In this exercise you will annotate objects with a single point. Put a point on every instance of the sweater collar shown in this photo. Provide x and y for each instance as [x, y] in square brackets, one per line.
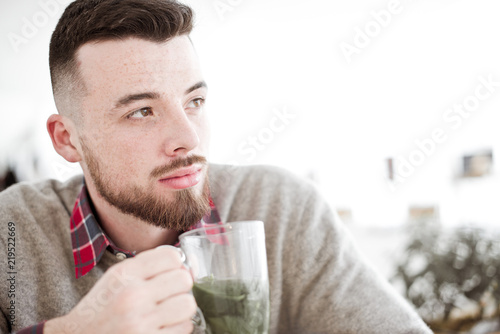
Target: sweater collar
[89, 241]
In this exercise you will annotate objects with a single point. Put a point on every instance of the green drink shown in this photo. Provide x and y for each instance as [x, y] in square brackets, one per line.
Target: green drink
[234, 306]
[229, 267]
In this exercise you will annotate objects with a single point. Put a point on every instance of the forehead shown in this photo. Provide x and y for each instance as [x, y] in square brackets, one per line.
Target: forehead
[119, 66]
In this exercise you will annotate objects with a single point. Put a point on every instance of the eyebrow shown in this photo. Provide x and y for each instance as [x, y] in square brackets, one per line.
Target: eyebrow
[136, 97]
[153, 95]
[201, 84]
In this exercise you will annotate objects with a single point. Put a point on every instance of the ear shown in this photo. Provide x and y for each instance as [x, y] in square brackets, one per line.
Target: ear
[61, 130]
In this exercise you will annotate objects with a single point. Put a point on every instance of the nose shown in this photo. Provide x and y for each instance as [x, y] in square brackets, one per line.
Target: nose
[181, 134]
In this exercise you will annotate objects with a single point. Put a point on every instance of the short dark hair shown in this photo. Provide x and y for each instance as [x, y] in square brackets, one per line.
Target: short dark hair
[99, 20]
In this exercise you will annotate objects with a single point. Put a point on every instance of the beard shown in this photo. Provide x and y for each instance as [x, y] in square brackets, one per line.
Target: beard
[183, 211]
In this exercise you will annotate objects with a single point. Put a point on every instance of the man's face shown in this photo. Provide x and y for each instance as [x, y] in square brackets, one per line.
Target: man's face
[144, 135]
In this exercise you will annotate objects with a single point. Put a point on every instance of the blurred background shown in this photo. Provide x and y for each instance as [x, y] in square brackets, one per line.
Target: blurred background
[390, 107]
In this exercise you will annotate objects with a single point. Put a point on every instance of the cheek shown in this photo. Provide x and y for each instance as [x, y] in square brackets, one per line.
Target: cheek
[204, 133]
[130, 152]
[120, 153]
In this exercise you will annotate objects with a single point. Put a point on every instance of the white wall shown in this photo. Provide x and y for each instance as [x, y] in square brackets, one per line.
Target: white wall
[263, 57]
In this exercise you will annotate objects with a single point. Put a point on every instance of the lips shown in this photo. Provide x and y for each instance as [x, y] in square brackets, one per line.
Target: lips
[183, 178]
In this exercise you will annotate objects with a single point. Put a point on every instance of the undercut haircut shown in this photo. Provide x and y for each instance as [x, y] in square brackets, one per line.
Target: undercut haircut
[86, 21]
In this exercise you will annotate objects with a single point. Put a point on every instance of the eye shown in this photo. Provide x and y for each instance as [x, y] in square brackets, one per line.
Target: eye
[141, 113]
[196, 103]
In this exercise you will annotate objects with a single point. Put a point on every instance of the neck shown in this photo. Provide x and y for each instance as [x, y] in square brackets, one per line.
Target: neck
[127, 232]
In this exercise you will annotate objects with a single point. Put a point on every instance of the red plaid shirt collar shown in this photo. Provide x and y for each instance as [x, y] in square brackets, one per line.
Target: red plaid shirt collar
[90, 242]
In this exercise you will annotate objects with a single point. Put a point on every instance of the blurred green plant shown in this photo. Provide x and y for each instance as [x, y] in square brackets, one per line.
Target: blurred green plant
[452, 278]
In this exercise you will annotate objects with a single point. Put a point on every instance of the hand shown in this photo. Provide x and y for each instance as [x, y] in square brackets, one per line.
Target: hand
[145, 294]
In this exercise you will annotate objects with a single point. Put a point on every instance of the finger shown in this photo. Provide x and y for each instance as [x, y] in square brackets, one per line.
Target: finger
[153, 262]
[185, 327]
[169, 284]
[177, 249]
[173, 311]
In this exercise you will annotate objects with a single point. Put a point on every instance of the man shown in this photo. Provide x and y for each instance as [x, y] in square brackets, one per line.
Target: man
[83, 256]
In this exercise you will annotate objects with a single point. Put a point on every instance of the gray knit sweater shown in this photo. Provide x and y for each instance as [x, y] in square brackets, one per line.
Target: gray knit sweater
[319, 282]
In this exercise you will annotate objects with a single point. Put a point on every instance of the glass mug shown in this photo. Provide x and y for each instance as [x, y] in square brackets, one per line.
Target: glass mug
[231, 283]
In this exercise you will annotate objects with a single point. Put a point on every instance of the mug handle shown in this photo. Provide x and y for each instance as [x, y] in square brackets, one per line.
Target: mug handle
[198, 320]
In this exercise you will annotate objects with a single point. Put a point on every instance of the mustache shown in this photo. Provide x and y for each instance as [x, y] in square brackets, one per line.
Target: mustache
[176, 164]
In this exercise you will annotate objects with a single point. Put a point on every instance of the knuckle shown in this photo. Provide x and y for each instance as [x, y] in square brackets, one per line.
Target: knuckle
[178, 309]
[132, 324]
[172, 254]
[174, 258]
[184, 280]
[188, 302]
[186, 327]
